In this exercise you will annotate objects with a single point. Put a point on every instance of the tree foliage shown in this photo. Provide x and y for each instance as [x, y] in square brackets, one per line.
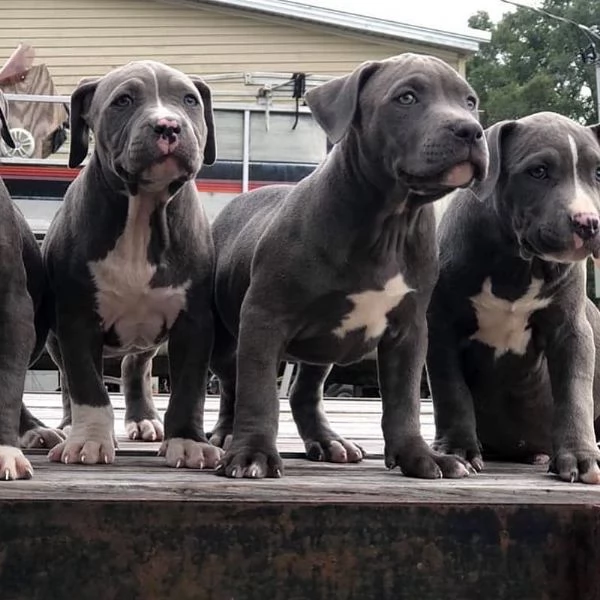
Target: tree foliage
[533, 63]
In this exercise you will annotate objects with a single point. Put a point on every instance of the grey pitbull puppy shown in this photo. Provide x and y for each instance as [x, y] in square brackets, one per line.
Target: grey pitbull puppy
[343, 263]
[23, 332]
[130, 260]
[512, 335]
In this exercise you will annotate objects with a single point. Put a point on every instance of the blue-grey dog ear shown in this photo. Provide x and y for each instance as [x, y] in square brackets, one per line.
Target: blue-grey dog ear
[333, 104]
[210, 147]
[81, 99]
[4, 130]
[495, 136]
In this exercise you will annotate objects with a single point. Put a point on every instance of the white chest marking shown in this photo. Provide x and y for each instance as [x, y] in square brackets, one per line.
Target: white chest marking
[502, 324]
[124, 298]
[371, 307]
[582, 201]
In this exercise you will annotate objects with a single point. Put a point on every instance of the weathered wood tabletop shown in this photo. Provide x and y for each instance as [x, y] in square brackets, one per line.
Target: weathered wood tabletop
[138, 474]
[356, 419]
[137, 478]
[139, 530]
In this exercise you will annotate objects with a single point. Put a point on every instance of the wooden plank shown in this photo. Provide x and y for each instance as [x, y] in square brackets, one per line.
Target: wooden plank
[139, 530]
[142, 478]
[224, 550]
[358, 420]
[187, 40]
[332, 405]
[183, 53]
[97, 37]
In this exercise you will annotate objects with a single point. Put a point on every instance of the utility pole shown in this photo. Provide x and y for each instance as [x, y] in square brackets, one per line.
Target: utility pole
[589, 56]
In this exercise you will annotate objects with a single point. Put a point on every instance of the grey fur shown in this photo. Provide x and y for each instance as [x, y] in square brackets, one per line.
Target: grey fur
[24, 328]
[127, 172]
[289, 259]
[538, 396]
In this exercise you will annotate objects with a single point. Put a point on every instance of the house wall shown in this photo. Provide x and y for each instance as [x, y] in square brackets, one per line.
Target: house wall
[89, 37]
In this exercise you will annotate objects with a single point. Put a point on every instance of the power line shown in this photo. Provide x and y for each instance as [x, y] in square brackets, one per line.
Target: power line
[591, 35]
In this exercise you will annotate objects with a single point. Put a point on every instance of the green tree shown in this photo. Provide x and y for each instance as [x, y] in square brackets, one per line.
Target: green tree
[533, 63]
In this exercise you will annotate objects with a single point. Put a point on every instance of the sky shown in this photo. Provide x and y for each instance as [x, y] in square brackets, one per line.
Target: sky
[449, 15]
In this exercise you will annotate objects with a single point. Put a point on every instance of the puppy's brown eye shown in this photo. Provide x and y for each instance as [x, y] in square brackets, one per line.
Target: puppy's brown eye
[598, 174]
[123, 100]
[407, 98]
[190, 100]
[539, 172]
[471, 103]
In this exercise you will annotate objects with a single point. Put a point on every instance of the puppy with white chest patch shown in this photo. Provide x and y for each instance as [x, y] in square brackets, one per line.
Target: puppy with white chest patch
[23, 330]
[342, 264]
[130, 261]
[513, 338]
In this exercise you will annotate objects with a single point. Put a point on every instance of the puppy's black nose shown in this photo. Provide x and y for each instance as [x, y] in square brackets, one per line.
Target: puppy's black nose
[468, 131]
[585, 225]
[167, 129]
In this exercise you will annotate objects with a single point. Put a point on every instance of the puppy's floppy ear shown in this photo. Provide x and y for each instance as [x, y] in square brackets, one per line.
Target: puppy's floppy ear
[495, 137]
[81, 99]
[595, 129]
[210, 147]
[333, 104]
[4, 130]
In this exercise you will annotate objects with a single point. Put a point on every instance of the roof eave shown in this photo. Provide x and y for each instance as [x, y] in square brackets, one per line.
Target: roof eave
[464, 42]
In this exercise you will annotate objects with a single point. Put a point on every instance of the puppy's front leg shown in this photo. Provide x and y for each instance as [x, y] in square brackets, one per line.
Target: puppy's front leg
[571, 361]
[17, 338]
[455, 423]
[253, 452]
[401, 358]
[190, 345]
[91, 437]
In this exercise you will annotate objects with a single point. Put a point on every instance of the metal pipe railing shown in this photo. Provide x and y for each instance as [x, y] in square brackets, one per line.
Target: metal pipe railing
[228, 106]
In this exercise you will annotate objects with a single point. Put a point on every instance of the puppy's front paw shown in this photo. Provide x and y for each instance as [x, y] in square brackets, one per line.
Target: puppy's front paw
[461, 444]
[221, 435]
[84, 451]
[13, 464]
[337, 450]
[181, 452]
[91, 439]
[147, 430]
[538, 459]
[253, 460]
[416, 459]
[42, 437]
[577, 465]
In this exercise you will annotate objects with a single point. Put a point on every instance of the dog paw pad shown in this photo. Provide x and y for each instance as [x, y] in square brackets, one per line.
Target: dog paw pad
[13, 464]
[147, 430]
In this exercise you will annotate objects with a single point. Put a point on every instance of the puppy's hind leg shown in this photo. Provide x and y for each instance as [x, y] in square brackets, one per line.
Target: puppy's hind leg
[306, 401]
[54, 352]
[141, 419]
[593, 315]
[33, 433]
[223, 365]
